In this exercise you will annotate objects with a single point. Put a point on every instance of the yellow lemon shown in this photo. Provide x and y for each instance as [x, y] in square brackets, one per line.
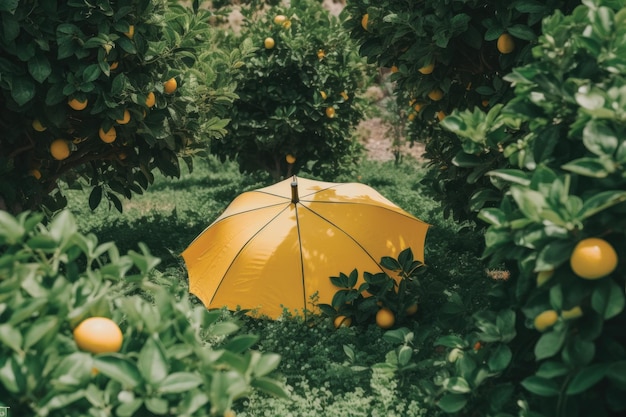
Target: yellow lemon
[98, 335]
[280, 19]
[428, 69]
[38, 126]
[545, 320]
[269, 43]
[505, 44]
[593, 258]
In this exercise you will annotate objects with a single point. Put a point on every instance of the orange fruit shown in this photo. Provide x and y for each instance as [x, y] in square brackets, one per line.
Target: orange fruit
[131, 32]
[411, 310]
[269, 43]
[323, 94]
[109, 136]
[545, 320]
[435, 95]
[77, 104]
[593, 258]
[330, 112]
[38, 126]
[113, 65]
[344, 95]
[505, 44]
[394, 69]
[385, 318]
[428, 69]
[485, 103]
[60, 149]
[441, 115]
[150, 99]
[35, 173]
[280, 19]
[365, 21]
[125, 118]
[411, 117]
[287, 24]
[417, 107]
[98, 335]
[170, 85]
[342, 321]
[321, 54]
[290, 159]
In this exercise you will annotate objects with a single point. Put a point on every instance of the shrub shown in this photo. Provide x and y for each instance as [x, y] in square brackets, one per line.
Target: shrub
[556, 343]
[299, 94]
[103, 95]
[444, 56]
[176, 358]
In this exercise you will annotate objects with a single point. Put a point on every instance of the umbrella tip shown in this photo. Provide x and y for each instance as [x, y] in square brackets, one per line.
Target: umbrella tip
[294, 190]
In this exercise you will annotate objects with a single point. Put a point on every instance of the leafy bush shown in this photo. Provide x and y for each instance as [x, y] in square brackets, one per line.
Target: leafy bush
[176, 358]
[554, 340]
[447, 55]
[72, 73]
[298, 93]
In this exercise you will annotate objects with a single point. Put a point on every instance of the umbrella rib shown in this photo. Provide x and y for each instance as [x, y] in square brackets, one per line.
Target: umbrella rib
[304, 295]
[232, 262]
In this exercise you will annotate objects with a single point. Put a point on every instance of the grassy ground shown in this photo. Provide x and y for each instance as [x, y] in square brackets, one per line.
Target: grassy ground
[316, 364]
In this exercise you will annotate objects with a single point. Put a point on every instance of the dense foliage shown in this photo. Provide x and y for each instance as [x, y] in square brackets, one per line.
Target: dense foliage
[447, 55]
[101, 94]
[299, 93]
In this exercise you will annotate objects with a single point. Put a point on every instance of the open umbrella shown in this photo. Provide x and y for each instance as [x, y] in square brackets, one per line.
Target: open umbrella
[276, 247]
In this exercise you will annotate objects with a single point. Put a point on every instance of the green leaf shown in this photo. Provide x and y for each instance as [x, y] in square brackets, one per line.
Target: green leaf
[157, 405]
[178, 382]
[404, 355]
[241, 343]
[118, 368]
[451, 403]
[152, 362]
[500, 358]
[608, 299]
[521, 32]
[9, 6]
[512, 176]
[601, 201]
[91, 73]
[541, 386]
[11, 337]
[586, 378]
[266, 364]
[129, 408]
[554, 254]
[617, 372]
[530, 202]
[270, 386]
[599, 138]
[588, 167]
[578, 352]
[451, 341]
[40, 329]
[549, 344]
[552, 369]
[11, 231]
[22, 90]
[39, 67]
[456, 385]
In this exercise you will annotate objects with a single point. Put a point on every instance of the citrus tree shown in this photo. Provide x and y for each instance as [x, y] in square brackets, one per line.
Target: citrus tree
[87, 331]
[447, 55]
[553, 345]
[101, 94]
[298, 93]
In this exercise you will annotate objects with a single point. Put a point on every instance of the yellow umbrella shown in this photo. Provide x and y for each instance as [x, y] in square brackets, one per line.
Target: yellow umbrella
[276, 247]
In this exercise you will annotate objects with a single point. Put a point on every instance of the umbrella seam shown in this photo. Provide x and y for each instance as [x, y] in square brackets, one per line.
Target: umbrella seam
[304, 294]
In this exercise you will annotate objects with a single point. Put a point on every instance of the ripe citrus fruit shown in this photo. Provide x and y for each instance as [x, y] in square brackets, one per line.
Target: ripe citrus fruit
[290, 159]
[170, 85]
[98, 335]
[365, 21]
[321, 54]
[344, 95]
[572, 313]
[411, 310]
[131, 32]
[269, 43]
[150, 99]
[323, 94]
[441, 115]
[411, 117]
[593, 258]
[109, 136]
[35, 173]
[280, 19]
[125, 118]
[330, 112]
[545, 320]
[77, 104]
[342, 321]
[485, 103]
[60, 149]
[38, 126]
[394, 69]
[385, 318]
[417, 107]
[113, 65]
[435, 95]
[505, 44]
[428, 69]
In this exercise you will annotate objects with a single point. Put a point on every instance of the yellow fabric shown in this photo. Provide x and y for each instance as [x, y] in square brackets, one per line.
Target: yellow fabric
[265, 253]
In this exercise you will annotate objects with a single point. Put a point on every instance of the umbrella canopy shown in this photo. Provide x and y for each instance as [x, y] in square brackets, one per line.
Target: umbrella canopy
[275, 247]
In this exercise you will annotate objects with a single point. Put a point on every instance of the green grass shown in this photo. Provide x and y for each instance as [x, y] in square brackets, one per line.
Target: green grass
[315, 366]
